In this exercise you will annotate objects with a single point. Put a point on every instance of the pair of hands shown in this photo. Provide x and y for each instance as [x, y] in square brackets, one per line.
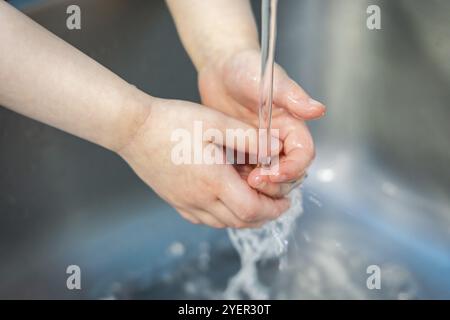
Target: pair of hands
[226, 195]
[62, 87]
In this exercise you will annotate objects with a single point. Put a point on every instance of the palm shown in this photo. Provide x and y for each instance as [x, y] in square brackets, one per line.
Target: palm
[232, 87]
[224, 87]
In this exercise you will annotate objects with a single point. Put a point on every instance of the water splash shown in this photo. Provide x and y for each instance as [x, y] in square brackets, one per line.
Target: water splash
[255, 245]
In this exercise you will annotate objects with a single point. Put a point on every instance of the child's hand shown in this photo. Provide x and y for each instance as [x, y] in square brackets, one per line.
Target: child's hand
[213, 194]
[231, 85]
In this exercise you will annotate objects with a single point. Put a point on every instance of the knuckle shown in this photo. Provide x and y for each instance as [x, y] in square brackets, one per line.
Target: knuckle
[220, 190]
[249, 213]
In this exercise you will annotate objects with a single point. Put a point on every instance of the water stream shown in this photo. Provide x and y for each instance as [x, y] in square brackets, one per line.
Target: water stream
[271, 240]
[256, 245]
[268, 40]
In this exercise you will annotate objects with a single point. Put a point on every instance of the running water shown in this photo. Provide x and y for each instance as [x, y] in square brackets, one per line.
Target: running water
[271, 240]
[268, 40]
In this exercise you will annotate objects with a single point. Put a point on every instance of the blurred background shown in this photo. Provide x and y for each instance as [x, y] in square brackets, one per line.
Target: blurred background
[377, 194]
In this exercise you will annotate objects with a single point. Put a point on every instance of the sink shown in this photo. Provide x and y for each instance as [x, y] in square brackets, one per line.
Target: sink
[377, 193]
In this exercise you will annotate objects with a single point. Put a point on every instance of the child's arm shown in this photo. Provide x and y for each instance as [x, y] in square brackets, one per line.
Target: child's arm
[211, 30]
[47, 79]
[44, 78]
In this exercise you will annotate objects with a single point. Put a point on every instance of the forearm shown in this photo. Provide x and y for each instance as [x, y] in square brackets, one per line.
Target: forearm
[214, 29]
[47, 79]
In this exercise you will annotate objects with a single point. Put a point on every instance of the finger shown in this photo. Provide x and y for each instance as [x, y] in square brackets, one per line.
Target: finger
[298, 153]
[263, 184]
[225, 215]
[290, 96]
[247, 203]
[257, 180]
[244, 170]
[233, 134]
[188, 216]
[208, 219]
[243, 84]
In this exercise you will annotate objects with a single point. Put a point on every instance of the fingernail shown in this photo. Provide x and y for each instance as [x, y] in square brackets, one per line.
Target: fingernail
[315, 102]
[261, 185]
[306, 103]
[259, 182]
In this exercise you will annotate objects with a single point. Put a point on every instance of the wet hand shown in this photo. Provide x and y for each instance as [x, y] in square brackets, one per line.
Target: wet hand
[231, 85]
[212, 194]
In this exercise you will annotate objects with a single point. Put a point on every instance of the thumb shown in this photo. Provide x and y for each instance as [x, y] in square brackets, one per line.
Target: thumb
[242, 80]
[290, 96]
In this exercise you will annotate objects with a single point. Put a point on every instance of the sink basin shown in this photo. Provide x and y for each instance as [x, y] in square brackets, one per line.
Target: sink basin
[377, 193]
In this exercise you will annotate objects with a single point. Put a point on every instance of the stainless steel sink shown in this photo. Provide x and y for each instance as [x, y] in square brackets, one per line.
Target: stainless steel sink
[377, 194]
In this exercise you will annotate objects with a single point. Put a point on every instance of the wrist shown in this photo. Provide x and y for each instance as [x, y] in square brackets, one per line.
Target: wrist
[135, 109]
[219, 54]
